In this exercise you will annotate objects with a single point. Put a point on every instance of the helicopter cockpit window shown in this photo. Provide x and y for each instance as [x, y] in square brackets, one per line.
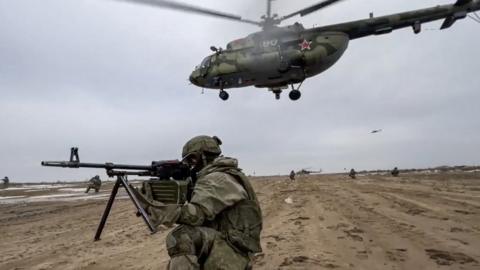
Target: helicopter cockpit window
[206, 62]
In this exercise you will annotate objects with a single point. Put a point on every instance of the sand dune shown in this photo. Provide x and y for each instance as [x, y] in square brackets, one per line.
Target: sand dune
[427, 221]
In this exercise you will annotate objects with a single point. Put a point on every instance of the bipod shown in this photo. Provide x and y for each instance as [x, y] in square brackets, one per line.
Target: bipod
[122, 181]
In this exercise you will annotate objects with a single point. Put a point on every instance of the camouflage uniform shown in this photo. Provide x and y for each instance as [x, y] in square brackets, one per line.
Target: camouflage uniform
[6, 181]
[395, 172]
[352, 174]
[292, 175]
[220, 226]
[94, 183]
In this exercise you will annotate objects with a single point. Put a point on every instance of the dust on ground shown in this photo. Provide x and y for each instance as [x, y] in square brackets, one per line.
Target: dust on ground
[415, 221]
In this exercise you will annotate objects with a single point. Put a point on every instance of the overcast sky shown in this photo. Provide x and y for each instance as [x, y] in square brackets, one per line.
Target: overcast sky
[112, 78]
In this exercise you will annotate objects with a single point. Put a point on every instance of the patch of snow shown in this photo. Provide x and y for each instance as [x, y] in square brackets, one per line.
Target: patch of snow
[52, 186]
[17, 188]
[54, 196]
[57, 198]
[71, 189]
[289, 200]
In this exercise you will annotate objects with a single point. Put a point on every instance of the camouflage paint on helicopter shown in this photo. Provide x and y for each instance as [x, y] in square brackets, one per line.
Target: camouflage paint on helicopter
[271, 59]
[277, 57]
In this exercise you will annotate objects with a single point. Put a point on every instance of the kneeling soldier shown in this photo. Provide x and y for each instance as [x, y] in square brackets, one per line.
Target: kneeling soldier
[94, 183]
[395, 172]
[352, 174]
[220, 226]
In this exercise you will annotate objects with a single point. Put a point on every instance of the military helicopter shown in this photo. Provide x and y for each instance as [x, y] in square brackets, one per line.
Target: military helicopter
[278, 57]
[308, 171]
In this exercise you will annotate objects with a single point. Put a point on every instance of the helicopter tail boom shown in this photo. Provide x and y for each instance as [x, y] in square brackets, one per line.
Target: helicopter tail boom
[386, 24]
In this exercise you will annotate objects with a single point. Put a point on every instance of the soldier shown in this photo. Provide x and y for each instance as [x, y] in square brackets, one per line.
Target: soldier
[292, 175]
[220, 226]
[352, 173]
[94, 183]
[395, 172]
[6, 181]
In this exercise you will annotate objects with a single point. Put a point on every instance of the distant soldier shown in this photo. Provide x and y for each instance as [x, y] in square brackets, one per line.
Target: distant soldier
[292, 175]
[94, 183]
[352, 173]
[6, 180]
[395, 172]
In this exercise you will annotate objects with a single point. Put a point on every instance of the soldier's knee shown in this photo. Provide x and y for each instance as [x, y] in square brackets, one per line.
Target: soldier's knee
[223, 256]
[182, 241]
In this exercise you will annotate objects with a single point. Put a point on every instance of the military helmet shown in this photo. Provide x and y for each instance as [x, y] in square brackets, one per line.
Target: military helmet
[202, 144]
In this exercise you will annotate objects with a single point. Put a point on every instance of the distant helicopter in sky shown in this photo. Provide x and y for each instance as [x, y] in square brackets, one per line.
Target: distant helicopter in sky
[278, 57]
[376, 131]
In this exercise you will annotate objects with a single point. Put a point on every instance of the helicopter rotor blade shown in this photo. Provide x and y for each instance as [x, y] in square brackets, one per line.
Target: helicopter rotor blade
[311, 9]
[192, 9]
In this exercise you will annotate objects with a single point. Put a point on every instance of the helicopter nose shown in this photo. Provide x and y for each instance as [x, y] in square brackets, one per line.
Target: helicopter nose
[195, 78]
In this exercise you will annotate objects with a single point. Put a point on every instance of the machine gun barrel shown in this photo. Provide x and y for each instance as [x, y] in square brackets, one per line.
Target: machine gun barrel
[74, 162]
[107, 165]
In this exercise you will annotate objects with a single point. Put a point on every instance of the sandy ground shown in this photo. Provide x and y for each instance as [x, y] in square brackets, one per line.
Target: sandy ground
[416, 221]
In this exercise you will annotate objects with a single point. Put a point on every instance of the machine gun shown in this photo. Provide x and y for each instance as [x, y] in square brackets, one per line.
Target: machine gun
[170, 185]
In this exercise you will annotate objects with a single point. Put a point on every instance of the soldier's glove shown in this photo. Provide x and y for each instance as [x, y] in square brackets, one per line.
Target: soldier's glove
[159, 213]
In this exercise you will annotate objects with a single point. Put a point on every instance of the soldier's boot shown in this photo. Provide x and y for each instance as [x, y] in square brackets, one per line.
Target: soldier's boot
[183, 262]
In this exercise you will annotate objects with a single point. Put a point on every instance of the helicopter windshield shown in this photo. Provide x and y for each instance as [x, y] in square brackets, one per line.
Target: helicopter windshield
[205, 63]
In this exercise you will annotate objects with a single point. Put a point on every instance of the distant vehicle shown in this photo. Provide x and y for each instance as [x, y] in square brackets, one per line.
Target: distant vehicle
[279, 57]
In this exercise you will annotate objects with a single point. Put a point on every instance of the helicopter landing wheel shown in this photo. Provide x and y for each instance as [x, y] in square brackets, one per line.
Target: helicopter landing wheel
[223, 95]
[294, 95]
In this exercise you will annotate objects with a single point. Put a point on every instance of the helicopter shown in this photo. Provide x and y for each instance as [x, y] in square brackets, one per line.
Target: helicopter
[308, 171]
[281, 56]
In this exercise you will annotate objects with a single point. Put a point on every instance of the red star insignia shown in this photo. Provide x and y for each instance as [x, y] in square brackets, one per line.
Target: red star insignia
[305, 45]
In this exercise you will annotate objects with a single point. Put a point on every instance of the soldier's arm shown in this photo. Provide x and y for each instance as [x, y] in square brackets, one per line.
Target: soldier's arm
[212, 194]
